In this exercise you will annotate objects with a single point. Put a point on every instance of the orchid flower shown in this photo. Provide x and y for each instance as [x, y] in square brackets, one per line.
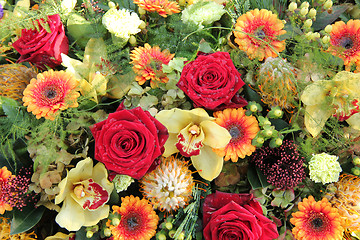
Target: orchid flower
[193, 133]
[84, 193]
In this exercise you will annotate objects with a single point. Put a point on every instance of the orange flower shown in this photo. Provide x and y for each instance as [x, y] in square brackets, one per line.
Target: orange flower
[344, 42]
[256, 33]
[138, 220]
[50, 92]
[148, 62]
[5, 225]
[316, 220]
[242, 129]
[163, 7]
[5, 174]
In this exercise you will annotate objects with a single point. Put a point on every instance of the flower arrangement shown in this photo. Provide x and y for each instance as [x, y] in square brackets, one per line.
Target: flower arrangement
[179, 119]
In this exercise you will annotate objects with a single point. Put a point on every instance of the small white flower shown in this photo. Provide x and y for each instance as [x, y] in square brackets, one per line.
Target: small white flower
[324, 168]
[203, 13]
[122, 23]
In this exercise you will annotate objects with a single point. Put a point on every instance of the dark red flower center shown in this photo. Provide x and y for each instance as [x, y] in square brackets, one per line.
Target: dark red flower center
[132, 222]
[235, 132]
[346, 42]
[318, 222]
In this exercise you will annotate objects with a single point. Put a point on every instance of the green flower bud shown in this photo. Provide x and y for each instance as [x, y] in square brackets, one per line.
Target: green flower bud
[304, 11]
[325, 39]
[132, 40]
[315, 35]
[253, 108]
[312, 13]
[260, 140]
[305, 5]
[89, 234]
[308, 35]
[308, 23]
[328, 28]
[168, 225]
[160, 236]
[355, 171]
[292, 6]
[107, 232]
[328, 4]
[111, 5]
[278, 141]
[356, 160]
[115, 221]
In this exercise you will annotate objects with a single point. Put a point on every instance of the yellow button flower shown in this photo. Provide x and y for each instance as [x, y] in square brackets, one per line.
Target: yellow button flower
[193, 133]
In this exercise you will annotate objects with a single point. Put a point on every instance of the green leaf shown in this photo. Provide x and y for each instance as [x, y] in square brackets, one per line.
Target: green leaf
[9, 106]
[252, 95]
[323, 19]
[26, 219]
[279, 124]
[256, 178]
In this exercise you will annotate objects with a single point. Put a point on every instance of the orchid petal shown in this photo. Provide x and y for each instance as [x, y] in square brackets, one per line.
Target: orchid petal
[71, 215]
[169, 145]
[208, 163]
[315, 93]
[174, 120]
[315, 118]
[354, 121]
[215, 135]
[190, 140]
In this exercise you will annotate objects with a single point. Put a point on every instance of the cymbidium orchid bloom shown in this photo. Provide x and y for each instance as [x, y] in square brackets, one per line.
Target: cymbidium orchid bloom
[84, 193]
[339, 97]
[193, 133]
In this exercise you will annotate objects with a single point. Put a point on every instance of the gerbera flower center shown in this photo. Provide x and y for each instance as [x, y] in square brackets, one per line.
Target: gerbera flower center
[132, 223]
[235, 133]
[346, 42]
[260, 33]
[318, 222]
[50, 93]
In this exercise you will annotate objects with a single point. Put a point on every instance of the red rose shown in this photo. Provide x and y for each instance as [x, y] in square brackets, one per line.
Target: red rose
[236, 216]
[129, 141]
[43, 48]
[212, 82]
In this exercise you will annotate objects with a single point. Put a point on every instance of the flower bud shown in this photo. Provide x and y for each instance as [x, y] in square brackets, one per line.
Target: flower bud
[328, 4]
[356, 161]
[253, 108]
[305, 5]
[107, 232]
[89, 234]
[308, 23]
[355, 171]
[325, 39]
[278, 141]
[292, 6]
[132, 40]
[308, 35]
[142, 25]
[141, 11]
[328, 28]
[260, 140]
[111, 5]
[160, 236]
[115, 221]
[315, 35]
[312, 13]
[304, 11]
[168, 225]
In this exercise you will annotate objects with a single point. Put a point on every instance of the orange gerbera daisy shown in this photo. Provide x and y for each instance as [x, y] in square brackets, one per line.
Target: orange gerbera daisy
[50, 92]
[256, 33]
[345, 42]
[242, 129]
[5, 174]
[316, 220]
[138, 220]
[148, 62]
[163, 7]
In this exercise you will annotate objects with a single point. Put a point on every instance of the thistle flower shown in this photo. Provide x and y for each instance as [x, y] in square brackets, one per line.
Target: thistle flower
[50, 92]
[148, 62]
[256, 33]
[138, 220]
[345, 196]
[277, 83]
[316, 220]
[122, 23]
[203, 13]
[163, 7]
[324, 168]
[282, 166]
[169, 186]
[13, 80]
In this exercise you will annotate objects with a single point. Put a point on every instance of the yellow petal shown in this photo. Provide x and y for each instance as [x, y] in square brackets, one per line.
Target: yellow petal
[354, 121]
[169, 145]
[315, 93]
[315, 118]
[174, 120]
[215, 135]
[71, 215]
[98, 82]
[93, 217]
[100, 176]
[208, 163]
[199, 115]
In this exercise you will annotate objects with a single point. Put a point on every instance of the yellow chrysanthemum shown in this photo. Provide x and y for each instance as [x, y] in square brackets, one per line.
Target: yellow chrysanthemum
[316, 220]
[344, 42]
[163, 7]
[138, 220]
[242, 129]
[5, 232]
[50, 92]
[148, 62]
[256, 33]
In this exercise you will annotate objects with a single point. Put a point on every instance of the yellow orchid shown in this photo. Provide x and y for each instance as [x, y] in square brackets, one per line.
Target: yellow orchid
[84, 192]
[339, 97]
[194, 133]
